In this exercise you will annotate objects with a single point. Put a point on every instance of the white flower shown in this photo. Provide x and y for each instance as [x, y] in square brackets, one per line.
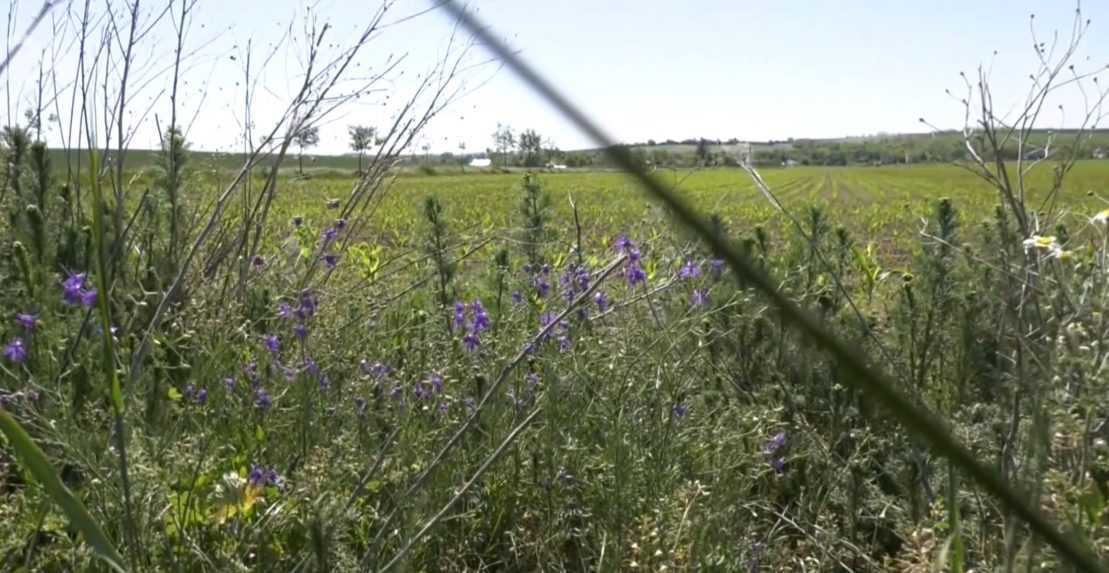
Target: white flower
[1041, 243]
[1102, 218]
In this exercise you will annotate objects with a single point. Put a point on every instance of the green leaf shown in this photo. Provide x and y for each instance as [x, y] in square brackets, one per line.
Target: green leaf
[35, 461]
[174, 394]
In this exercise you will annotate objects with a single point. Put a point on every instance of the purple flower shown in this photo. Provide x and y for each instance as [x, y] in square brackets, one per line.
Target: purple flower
[680, 410]
[258, 261]
[261, 476]
[601, 299]
[436, 381]
[250, 369]
[72, 287]
[332, 203]
[300, 331]
[700, 297]
[542, 286]
[284, 311]
[262, 399]
[329, 235]
[311, 367]
[27, 321]
[444, 408]
[331, 260]
[517, 298]
[272, 343]
[377, 369]
[460, 315]
[471, 341]
[88, 297]
[623, 244]
[360, 406]
[229, 384]
[774, 444]
[202, 396]
[716, 268]
[16, 352]
[340, 224]
[308, 305]
[564, 343]
[189, 392]
[325, 383]
[779, 465]
[634, 273]
[75, 290]
[690, 271]
[481, 317]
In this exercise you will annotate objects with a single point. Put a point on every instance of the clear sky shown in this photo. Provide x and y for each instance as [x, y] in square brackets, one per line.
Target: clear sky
[754, 70]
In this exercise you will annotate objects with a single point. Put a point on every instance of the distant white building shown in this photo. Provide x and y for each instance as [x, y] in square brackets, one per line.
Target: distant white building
[556, 166]
[481, 162]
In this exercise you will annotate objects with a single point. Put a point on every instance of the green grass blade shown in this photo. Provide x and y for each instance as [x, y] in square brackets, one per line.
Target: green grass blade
[859, 372]
[34, 460]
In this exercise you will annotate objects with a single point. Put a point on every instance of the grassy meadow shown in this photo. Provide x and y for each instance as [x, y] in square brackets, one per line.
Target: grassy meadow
[481, 371]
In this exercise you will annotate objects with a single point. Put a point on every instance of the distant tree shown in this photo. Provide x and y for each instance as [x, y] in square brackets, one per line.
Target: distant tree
[504, 141]
[306, 138]
[531, 148]
[651, 142]
[703, 151]
[361, 139]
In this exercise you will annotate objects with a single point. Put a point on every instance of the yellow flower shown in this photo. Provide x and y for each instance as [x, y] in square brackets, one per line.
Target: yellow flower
[1102, 217]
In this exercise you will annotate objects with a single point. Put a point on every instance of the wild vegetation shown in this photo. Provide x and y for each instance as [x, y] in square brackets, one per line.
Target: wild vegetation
[280, 367]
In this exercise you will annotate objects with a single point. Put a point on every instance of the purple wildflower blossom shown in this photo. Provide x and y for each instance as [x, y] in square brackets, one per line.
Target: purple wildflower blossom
[16, 352]
[481, 317]
[258, 261]
[471, 341]
[634, 273]
[262, 476]
[680, 410]
[436, 381]
[517, 298]
[262, 399]
[300, 331]
[27, 321]
[202, 396]
[329, 235]
[460, 315]
[331, 260]
[623, 244]
[340, 224]
[716, 268]
[700, 297]
[601, 300]
[565, 343]
[272, 343]
[229, 384]
[690, 271]
[76, 290]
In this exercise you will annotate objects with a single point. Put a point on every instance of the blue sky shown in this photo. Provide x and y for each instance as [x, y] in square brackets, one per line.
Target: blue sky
[646, 69]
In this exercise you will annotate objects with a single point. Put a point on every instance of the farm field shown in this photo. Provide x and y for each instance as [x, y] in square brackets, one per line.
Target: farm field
[548, 357]
[883, 204]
